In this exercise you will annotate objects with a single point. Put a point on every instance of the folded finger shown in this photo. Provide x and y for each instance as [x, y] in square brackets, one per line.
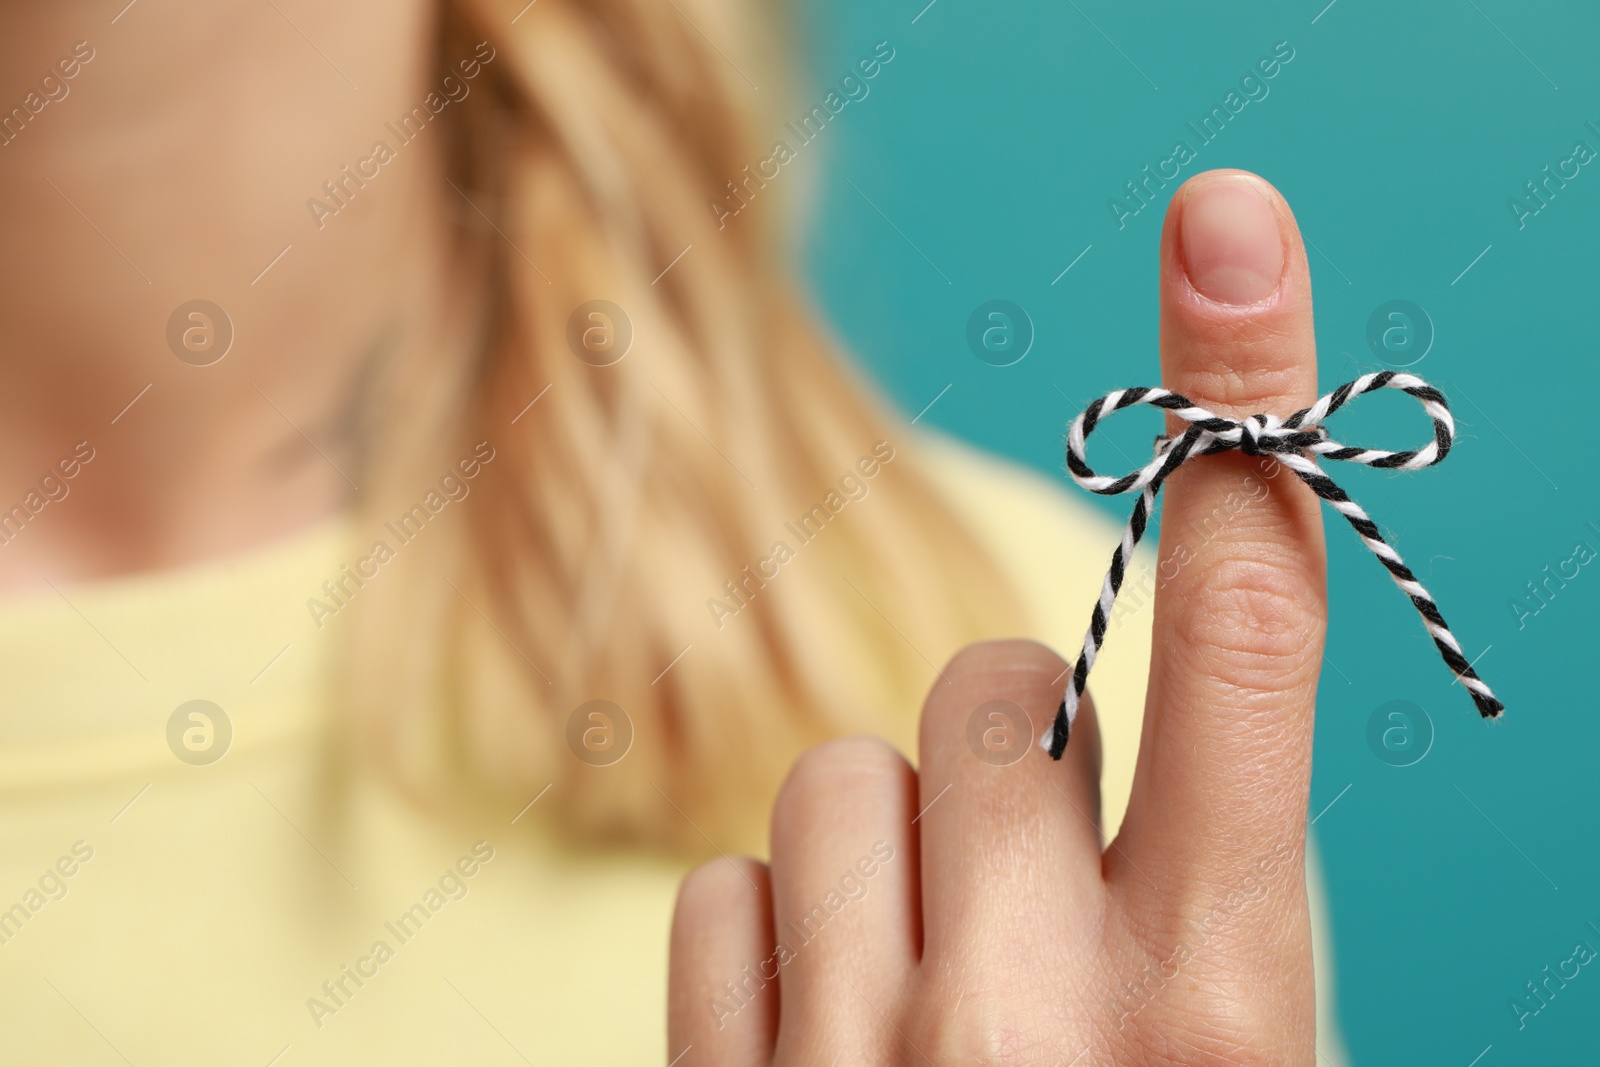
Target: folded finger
[1011, 852]
[846, 914]
[722, 1003]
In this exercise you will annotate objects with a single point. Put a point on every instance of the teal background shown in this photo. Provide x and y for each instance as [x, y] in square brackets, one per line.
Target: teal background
[989, 148]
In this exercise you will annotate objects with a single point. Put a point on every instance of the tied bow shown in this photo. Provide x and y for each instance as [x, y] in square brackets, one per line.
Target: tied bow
[1296, 442]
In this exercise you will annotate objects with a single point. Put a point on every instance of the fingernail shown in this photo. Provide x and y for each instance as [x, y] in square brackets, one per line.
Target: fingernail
[1230, 244]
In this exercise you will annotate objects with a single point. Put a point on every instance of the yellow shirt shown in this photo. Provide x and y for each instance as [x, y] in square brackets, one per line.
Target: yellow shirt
[259, 909]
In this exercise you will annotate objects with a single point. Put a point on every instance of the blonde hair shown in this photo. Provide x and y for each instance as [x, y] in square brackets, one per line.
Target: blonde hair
[617, 508]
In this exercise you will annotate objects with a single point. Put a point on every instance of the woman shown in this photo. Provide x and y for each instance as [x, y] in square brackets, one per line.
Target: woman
[438, 526]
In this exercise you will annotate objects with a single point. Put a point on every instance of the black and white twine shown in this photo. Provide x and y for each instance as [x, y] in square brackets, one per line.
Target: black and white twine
[1296, 442]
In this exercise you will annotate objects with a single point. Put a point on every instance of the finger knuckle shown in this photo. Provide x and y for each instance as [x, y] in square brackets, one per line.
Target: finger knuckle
[717, 887]
[1250, 620]
[1240, 365]
[997, 659]
[1019, 671]
[843, 775]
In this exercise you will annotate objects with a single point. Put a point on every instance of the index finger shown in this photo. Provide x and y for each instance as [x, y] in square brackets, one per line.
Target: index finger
[1225, 762]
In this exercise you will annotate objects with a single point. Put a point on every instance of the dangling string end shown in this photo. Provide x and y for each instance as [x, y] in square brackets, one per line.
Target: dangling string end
[1058, 733]
[1055, 742]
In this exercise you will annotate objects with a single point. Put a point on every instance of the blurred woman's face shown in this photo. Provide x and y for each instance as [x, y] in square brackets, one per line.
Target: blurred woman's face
[169, 152]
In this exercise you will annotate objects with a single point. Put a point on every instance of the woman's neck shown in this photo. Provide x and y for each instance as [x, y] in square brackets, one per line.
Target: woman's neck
[146, 184]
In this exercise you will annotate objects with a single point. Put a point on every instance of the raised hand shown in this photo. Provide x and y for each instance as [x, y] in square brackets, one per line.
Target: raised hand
[967, 912]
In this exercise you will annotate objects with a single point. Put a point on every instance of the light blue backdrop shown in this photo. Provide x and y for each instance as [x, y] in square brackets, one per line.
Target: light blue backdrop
[980, 166]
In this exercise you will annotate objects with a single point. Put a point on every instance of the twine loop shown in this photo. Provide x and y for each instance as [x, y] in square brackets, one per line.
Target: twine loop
[1297, 442]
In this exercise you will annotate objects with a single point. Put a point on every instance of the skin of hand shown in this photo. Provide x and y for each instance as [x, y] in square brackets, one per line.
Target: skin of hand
[993, 927]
